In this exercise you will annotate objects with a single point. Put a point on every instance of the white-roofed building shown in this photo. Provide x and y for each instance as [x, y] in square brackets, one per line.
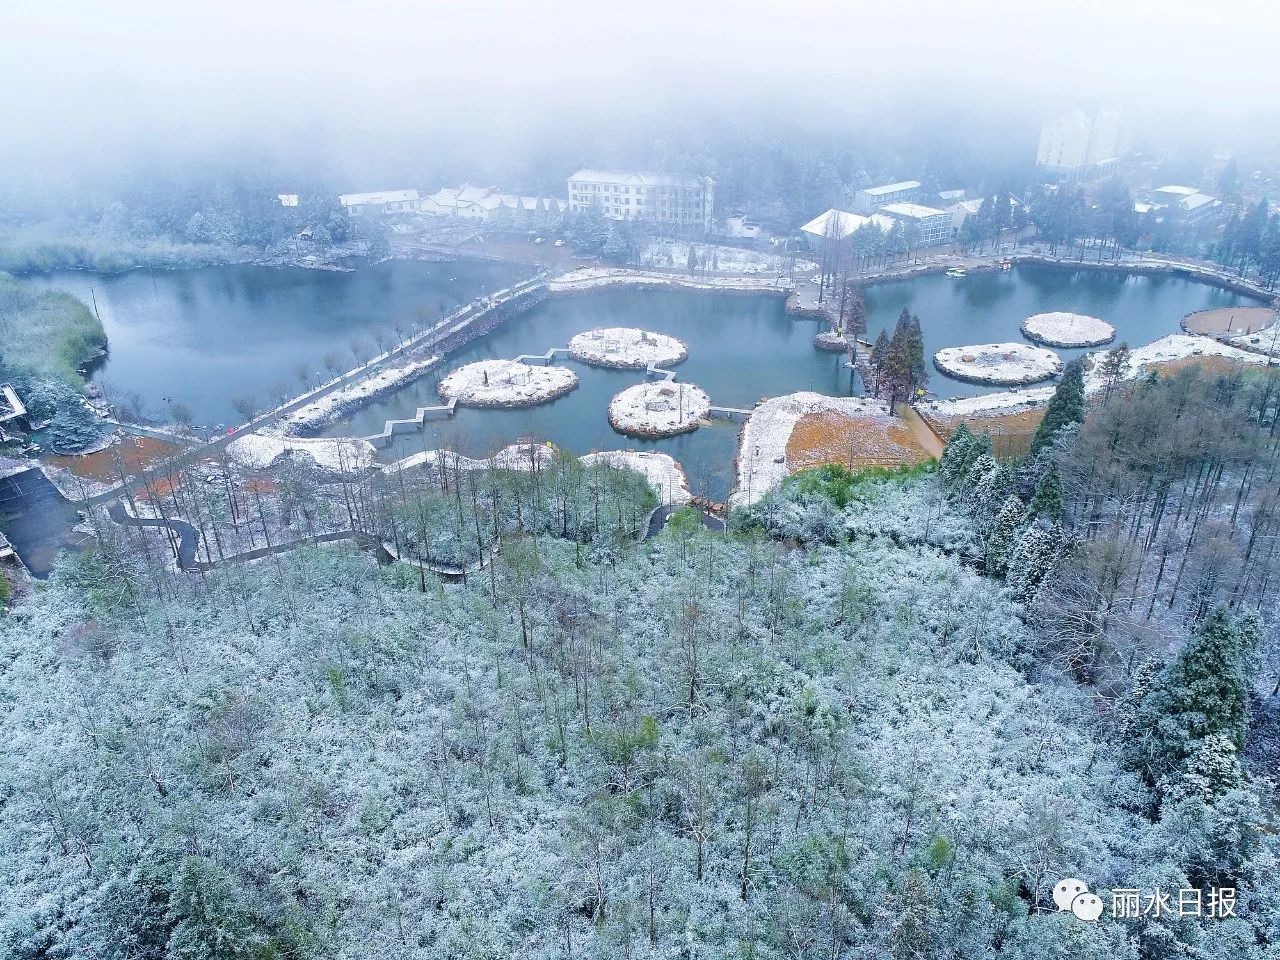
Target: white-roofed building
[287, 199]
[634, 195]
[1196, 207]
[866, 201]
[933, 226]
[380, 203]
[962, 211]
[484, 203]
[846, 223]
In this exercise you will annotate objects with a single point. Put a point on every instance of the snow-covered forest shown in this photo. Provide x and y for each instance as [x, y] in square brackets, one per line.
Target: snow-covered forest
[882, 717]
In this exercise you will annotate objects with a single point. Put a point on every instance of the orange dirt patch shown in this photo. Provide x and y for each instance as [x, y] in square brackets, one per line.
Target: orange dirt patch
[1229, 320]
[1208, 363]
[853, 442]
[133, 454]
[1010, 432]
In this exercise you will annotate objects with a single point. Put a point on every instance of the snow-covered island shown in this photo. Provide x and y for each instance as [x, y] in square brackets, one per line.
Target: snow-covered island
[626, 348]
[658, 409]
[1003, 364]
[1067, 330]
[831, 341]
[506, 383]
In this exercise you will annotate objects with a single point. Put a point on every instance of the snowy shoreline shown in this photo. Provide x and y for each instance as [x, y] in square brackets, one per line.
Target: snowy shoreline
[762, 444]
[663, 471]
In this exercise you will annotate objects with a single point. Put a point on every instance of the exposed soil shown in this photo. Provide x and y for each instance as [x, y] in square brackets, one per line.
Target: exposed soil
[853, 442]
[137, 453]
[1231, 321]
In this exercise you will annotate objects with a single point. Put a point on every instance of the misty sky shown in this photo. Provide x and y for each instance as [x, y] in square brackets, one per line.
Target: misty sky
[86, 80]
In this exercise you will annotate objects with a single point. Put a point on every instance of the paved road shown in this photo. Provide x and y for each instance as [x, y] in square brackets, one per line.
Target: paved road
[658, 520]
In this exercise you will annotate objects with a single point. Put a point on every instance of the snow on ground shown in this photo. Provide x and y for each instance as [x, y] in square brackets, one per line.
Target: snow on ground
[720, 259]
[506, 383]
[591, 278]
[1267, 340]
[1175, 346]
[660, 469]
[1179, 346]
[334, 453]
[1067, 330]
[626, 348]
[762, 450]
[659, 409]
[999, 363]
[320, 411]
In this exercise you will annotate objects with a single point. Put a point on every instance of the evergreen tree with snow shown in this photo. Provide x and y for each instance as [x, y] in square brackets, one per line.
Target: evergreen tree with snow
[1066, 407]
[961, 452]
[73, 428]
[1004, 534]
[1048, 499]
[1032, 559]
[1202, 693]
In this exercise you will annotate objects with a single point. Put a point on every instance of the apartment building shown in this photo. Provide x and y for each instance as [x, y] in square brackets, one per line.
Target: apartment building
[1078, 142]
[635, 195]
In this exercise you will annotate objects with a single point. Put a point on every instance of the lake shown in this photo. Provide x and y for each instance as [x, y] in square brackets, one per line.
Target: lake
[208, 335]
[745, 348]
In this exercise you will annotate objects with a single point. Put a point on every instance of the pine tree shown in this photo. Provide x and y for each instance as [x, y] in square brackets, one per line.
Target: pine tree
[1004, 534]
[1048, 499]
[1202, 693]
[962, 450]
[73, 428]
[1066, 407]
[1112, 368]
[1032, 559]
[879, 353]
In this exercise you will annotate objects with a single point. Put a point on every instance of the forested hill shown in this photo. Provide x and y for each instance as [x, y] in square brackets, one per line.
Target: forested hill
[840, 745]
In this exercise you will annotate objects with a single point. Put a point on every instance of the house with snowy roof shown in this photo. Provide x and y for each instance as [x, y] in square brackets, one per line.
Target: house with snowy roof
[1196, 207]
[379, 203]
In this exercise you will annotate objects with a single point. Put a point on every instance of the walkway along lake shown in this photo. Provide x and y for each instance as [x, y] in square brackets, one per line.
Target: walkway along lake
[206, 336]
[743, 348]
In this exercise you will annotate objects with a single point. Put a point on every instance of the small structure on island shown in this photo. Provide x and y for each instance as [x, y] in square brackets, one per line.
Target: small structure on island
[626, 348]
[1067, 330]
[661, 409]
[998, 364]
[833, 341]
[506, 383]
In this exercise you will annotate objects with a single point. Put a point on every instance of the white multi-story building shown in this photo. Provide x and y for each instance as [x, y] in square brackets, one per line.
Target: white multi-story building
[381, 202]
[865, 202]
[1077, 142]
[636, 195]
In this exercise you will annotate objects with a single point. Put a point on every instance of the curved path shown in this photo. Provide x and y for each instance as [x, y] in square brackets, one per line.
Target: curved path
[659, 516]
[188, 539]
